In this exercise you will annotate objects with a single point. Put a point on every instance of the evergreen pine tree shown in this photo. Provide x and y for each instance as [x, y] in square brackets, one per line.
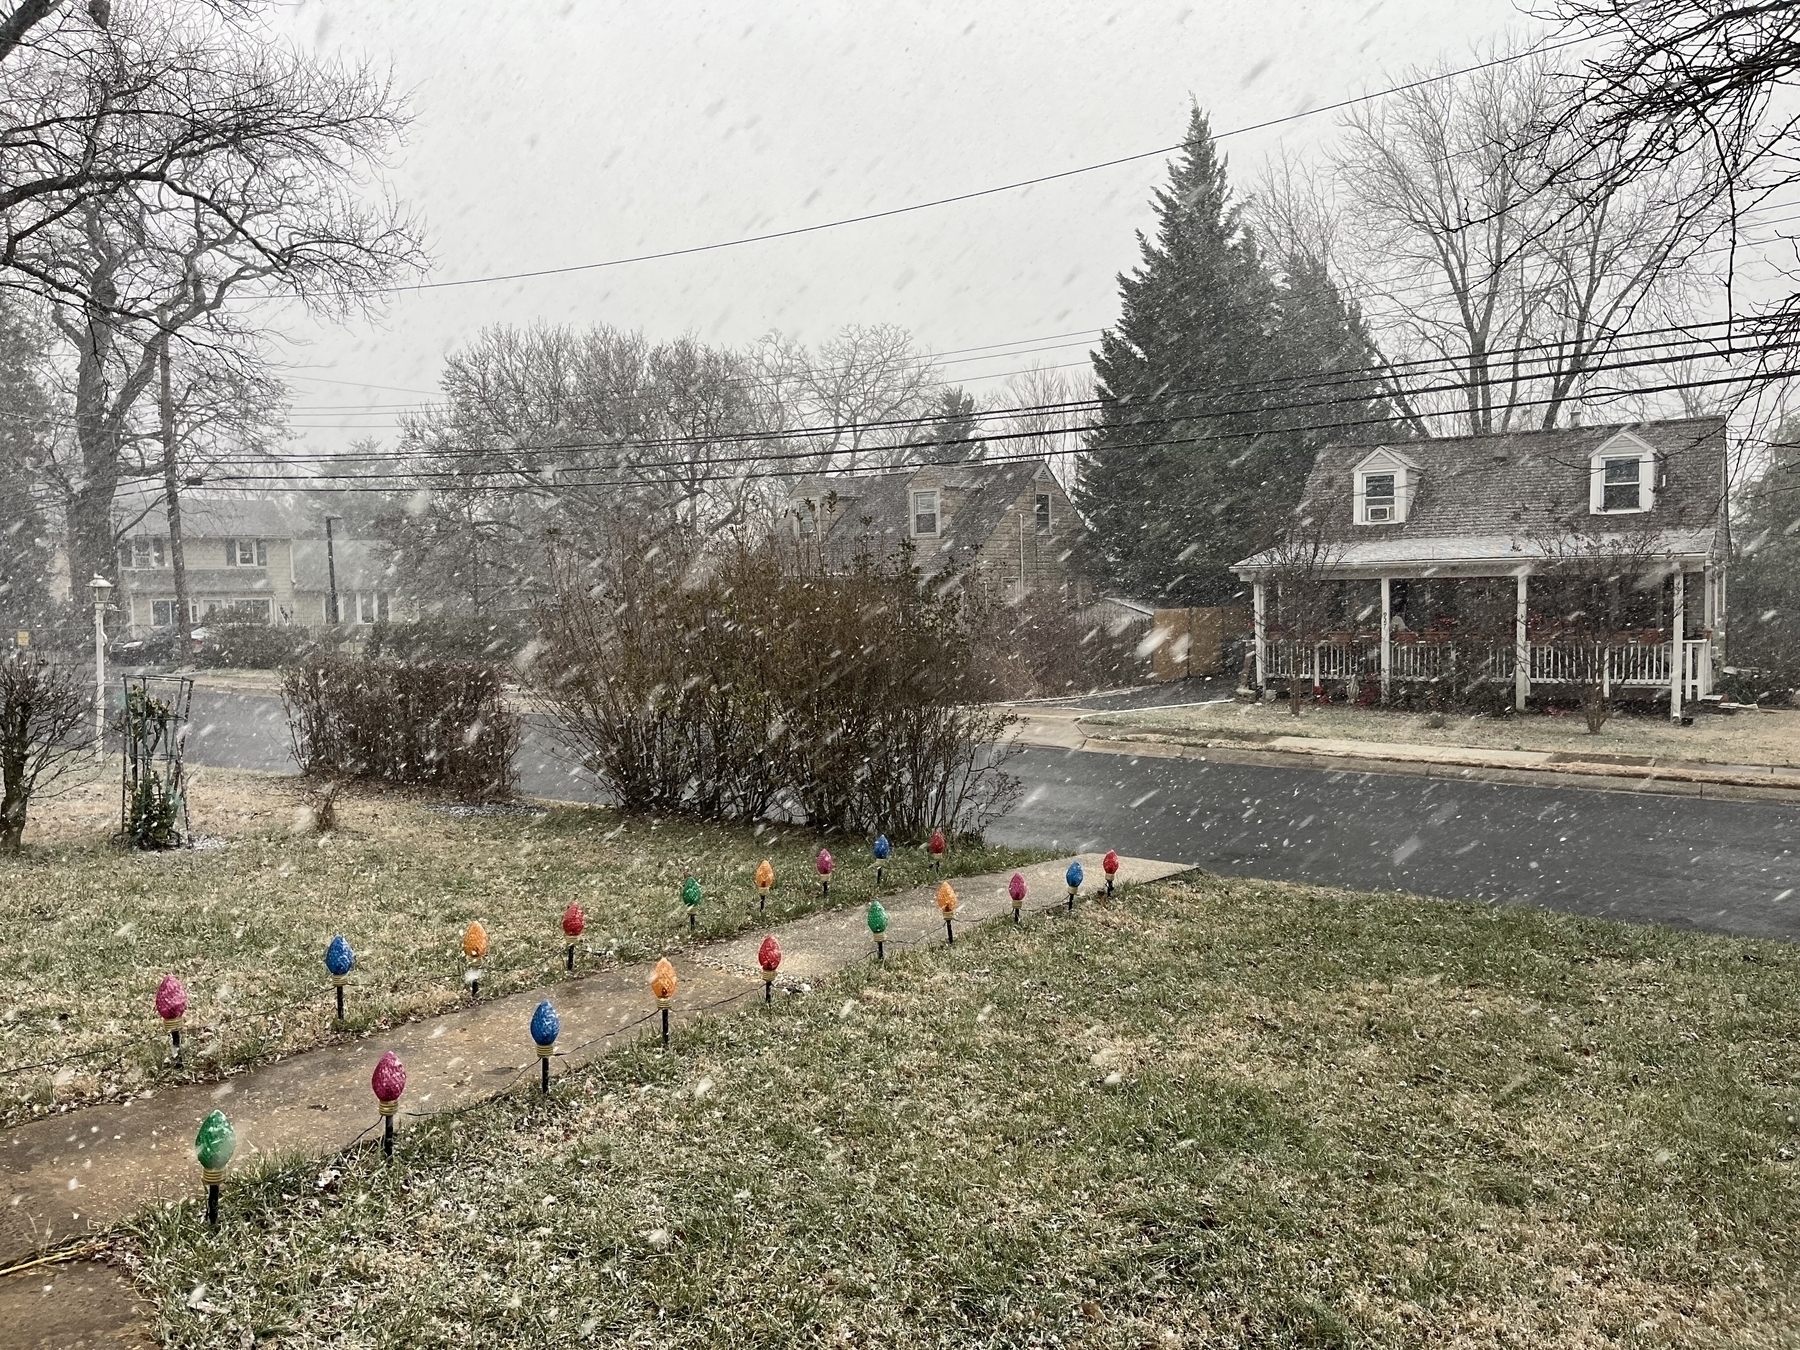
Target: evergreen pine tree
[1198, 458]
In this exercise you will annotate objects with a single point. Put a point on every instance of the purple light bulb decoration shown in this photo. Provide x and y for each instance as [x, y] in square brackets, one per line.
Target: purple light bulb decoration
[545, 1027]
[825, 865]
[339, 960]
[388, 1082]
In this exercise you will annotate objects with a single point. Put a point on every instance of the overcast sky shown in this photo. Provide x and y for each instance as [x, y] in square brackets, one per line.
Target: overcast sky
[555, 134]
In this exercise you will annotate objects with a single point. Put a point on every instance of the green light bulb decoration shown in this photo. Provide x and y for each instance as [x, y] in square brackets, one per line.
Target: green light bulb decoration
[878, 921]
[691, 897]
[213, 1147]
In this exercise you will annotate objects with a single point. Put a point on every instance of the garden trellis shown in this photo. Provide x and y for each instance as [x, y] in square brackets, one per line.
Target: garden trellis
[152, 785]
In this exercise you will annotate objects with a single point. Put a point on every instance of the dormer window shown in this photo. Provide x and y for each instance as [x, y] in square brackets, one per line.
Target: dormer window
[1622, 477]
[1384, 489]
[925, 514]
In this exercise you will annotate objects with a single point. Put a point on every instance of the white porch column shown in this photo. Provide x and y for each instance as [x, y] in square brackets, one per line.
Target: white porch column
[1677, 652]
[1521, 650]
[1259, 607]
[1387, 637]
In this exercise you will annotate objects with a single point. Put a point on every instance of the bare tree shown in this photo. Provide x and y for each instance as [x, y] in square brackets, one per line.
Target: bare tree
[860, 396]
[279, 210]
[1307, 601]
[1498, 281]
[45, 724]
[1055, 407]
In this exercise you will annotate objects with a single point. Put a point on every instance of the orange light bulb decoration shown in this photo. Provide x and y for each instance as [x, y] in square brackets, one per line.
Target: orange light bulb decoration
[475, 949]
[946, 903]
[765, 881]
[663, 985]
[768, 956]
[1110, 865]
[574, 924]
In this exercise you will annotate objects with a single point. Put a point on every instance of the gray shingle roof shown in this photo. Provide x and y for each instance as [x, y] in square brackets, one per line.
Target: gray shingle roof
[1480, 497]
[874, 516]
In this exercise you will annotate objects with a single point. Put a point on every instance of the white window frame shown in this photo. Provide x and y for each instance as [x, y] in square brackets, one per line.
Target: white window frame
[1043, 510]
[936, 513]
[1383, 464]
[246, 553]
[146, 551]
[1623, 446]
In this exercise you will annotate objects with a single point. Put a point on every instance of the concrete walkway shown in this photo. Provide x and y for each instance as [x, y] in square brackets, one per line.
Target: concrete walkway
[1061, 728]
[85, 1171]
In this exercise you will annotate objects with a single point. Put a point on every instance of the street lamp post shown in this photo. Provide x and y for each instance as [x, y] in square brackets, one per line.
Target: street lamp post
[100, 586]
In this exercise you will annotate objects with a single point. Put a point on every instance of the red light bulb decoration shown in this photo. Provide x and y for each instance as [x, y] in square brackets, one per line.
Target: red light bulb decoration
[171, 1006]
[574, 924]
[937, 847]
[388, 1082]
[1110, 865]
[768, 956]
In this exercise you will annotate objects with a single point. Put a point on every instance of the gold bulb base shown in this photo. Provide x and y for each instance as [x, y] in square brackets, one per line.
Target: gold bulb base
[174, 1023]
[212, 1176]
[768, 977]
[339, 981]
[388, 1108]
[545, 1051]
[663, 1002]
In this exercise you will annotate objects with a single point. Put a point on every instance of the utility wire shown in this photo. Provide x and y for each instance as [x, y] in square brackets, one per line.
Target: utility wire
[664, 480]
[1355, 382]
[982, 192]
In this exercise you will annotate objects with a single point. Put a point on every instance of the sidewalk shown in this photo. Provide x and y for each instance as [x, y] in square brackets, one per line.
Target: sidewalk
[86, 1170]
[1061, 728]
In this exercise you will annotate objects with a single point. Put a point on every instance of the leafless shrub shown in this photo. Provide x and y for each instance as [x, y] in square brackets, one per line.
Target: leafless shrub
[442, 724]
[721, 685]
[45, 723]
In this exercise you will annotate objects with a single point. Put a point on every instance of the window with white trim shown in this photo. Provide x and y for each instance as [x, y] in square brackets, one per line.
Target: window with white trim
[1383, 492]
[143, 551]
[925, 514]
[246, 553]
[1622, 478]
[1043, 510]
[372, 607]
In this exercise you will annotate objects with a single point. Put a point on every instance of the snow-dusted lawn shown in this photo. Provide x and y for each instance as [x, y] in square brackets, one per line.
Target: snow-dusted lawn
[1741, 738]
[1214, 1113]
[91, 930]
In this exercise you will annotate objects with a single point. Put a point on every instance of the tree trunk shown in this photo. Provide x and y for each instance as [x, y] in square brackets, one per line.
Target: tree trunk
[172, 500]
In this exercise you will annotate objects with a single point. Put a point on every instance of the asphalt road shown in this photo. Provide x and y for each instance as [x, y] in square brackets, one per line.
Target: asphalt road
[1686, 861]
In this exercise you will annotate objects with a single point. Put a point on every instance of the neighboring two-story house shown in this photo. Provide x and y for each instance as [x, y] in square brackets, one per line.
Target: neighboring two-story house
[264, 558]
[1008, 525]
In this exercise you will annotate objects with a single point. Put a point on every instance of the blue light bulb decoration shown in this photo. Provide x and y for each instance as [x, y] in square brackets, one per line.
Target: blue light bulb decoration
[339, 960]
[545, 1027]
[1073, 876]
[882, 849]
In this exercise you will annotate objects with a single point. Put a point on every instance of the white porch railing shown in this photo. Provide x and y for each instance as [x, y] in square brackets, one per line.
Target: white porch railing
[1634, 665]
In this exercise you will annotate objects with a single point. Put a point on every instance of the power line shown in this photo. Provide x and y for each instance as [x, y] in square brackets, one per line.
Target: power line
[1354, 377]
[981, 192]
[682, 474]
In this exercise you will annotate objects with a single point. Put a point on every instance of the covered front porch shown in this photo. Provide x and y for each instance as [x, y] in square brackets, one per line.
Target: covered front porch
[1436, 626]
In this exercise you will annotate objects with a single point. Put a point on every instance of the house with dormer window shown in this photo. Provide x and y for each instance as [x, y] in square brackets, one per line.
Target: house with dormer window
[1417, 538]
[1009, 525]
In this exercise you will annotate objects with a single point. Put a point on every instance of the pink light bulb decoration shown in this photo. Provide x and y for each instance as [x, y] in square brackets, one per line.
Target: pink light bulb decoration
[1016, 889]
[388, 1082]
[825, 865]
[171, 1006]
[768, 956]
